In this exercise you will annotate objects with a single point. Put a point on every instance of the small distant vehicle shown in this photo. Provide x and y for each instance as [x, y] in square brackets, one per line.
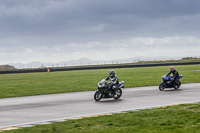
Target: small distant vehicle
[167, 83]
[104, 90]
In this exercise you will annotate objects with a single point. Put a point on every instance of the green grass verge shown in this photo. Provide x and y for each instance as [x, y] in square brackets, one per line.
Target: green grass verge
[172, 119]
[26, 84]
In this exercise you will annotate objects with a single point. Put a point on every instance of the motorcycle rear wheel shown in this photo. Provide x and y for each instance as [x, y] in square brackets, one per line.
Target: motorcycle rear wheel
[98, 95]
[118, 94]
[177, 85]
[162, 86]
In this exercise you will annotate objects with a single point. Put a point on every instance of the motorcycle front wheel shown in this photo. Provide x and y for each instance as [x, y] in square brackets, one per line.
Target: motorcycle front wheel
[98, 95]
[161, 86]
[118, 93]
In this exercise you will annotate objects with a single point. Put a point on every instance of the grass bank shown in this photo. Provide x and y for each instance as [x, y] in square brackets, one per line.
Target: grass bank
[27, 84]
[173, 119]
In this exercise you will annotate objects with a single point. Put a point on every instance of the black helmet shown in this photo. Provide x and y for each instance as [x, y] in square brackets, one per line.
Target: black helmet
[112, 73]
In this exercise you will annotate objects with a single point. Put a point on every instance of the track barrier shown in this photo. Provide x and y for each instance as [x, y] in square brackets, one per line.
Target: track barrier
[95, 67]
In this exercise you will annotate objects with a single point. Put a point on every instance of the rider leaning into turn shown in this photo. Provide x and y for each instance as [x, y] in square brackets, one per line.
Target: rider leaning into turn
[113, 79]
[175, 75]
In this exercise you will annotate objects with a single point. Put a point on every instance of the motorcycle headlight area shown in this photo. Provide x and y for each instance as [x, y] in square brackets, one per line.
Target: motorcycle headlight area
[101, 85]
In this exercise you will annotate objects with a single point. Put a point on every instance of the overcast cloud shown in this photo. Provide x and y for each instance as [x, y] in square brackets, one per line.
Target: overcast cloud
[62, 30]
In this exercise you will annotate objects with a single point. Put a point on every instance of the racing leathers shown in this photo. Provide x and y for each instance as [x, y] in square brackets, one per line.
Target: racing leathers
[175, 76]
[114, 80]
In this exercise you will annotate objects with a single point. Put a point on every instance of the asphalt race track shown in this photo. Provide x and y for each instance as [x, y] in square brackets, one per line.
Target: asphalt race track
[43, 109]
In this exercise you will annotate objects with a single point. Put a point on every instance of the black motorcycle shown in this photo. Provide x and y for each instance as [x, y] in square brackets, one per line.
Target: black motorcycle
[104, 90]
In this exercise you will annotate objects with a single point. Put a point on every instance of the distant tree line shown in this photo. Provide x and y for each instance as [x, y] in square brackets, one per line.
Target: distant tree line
[190, 58]
[7, 68]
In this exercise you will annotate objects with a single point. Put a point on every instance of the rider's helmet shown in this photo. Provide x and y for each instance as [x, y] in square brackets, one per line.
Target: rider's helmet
[112, 73]
[172, 68]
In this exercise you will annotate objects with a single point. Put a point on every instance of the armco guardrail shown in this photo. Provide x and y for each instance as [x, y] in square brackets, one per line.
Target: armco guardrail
[25, 71]
[97, 67]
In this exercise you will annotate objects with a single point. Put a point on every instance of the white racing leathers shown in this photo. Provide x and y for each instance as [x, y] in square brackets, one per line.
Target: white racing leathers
[114, 80]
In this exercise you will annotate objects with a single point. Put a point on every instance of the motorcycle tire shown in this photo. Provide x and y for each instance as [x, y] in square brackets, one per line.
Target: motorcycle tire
[98, 95]
[162, 86]
[118, 94]
[177, 85]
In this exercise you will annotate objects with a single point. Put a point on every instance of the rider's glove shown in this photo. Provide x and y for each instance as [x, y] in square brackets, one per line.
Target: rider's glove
[109, 82]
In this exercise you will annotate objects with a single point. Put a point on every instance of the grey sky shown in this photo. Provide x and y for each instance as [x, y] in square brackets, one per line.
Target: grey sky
[61, 30]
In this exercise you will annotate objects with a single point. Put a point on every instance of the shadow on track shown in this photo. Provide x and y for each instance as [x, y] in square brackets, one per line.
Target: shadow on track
[170, 90]
[109, 101]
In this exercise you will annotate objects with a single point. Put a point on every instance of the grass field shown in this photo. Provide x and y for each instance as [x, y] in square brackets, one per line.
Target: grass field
[171, 119]
[26, 84]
